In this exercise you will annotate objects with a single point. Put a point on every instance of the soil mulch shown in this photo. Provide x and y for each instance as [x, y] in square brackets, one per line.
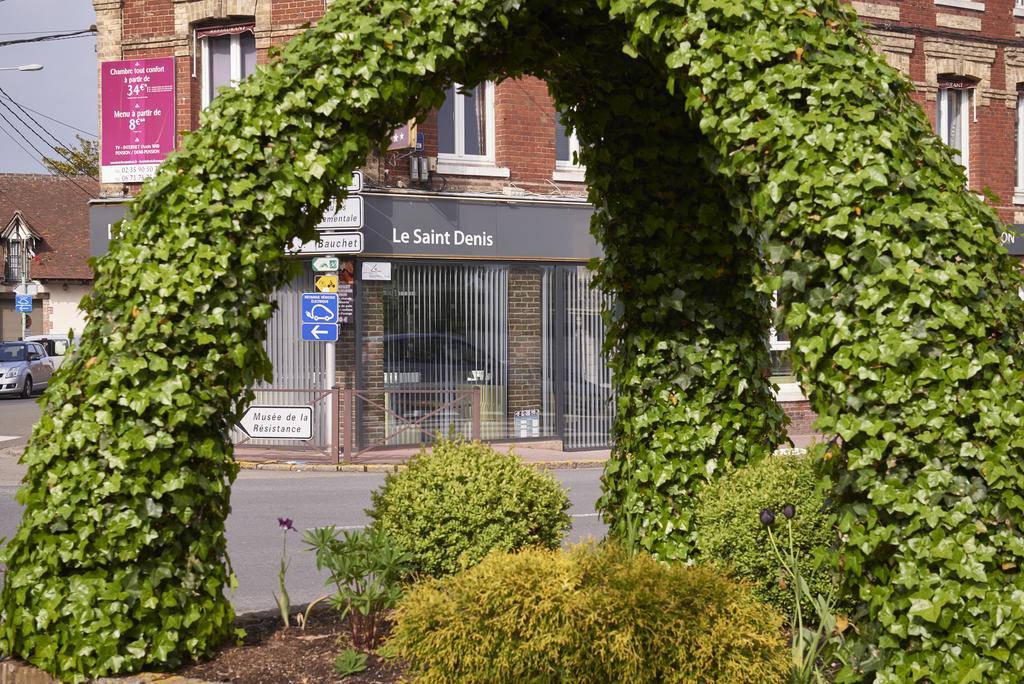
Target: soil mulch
[270, 654]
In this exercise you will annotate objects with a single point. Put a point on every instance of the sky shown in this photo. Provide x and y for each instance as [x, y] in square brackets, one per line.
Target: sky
[65, 90]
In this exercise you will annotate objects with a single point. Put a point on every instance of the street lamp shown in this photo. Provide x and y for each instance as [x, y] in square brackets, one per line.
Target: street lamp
[23, 67]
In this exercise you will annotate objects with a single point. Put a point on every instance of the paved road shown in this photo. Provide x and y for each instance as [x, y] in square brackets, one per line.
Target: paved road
[17, 418]
[311, 500]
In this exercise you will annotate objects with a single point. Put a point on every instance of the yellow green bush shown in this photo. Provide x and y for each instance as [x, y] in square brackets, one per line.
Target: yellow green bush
[461, 500]
[593, 614]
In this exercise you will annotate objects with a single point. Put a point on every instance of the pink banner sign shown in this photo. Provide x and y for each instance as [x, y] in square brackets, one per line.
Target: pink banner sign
[137, 102]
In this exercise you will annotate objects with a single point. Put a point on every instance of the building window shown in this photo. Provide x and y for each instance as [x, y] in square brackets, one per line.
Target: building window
[465, 132]
[954, 112]
[229, 56]
[1018, 191]
[14, 265]
[567, 149]
[782, 364]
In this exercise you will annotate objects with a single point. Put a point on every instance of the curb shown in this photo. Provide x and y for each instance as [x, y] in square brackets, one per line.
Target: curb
[16, 672]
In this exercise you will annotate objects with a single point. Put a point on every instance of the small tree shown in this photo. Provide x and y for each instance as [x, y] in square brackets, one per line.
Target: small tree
[81, 160]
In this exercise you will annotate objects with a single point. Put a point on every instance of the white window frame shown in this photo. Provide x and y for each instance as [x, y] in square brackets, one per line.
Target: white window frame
[788, 391]
[1018, 190]
[966, 96]
[235, 66]
[570, 170]
[461, 164]
[1018, 10]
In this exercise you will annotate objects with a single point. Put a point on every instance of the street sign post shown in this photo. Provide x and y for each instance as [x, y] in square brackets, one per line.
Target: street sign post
[23, 303]
[319, 317]
[278, 422]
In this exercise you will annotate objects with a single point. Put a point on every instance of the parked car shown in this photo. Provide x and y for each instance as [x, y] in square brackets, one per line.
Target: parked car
[24, 367]
[57, 346]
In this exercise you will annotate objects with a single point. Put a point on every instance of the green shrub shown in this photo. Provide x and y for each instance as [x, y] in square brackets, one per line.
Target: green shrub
[729, 528]
[369, 572]
[594, 614]
[452, 506]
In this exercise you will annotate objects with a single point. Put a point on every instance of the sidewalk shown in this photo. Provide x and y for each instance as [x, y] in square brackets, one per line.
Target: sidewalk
[537, 454]
[544, 455]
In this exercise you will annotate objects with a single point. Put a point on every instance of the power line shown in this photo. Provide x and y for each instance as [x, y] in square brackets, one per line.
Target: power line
[16, 142]
[41, 154]
[34, 33]
[50, 118]
[60, 145]
[53, 36]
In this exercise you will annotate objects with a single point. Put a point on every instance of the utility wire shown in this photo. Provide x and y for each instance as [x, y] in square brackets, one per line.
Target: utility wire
[18, 143]
[36, 134]
[34, 33]
[52, 36]
[60, 145]
[41, 154]
[50, 118]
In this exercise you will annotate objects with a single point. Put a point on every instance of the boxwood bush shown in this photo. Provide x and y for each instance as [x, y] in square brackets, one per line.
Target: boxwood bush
[593, 614]
[453, 505]
[729, 529]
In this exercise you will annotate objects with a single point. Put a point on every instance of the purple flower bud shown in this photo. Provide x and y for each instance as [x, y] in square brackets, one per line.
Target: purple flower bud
[767, 516]
[789, 510]
[286, 524]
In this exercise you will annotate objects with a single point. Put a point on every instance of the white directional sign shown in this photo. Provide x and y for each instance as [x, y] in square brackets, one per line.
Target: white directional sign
[329, 243]
[326, 264]
[357, 182]
[278, 422]
[348, 215]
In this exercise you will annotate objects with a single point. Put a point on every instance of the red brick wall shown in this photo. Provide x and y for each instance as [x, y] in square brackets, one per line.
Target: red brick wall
[296, 11]
[525, 116]
[801, 417]
[148, 19]
[525, 342]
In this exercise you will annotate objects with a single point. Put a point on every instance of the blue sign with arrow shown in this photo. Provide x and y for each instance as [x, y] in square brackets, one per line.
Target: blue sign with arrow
[23, 303]
[319, 316]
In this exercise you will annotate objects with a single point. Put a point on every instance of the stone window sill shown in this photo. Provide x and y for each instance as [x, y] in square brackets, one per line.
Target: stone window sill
[461, 167]
[575, 175]
[962, 4]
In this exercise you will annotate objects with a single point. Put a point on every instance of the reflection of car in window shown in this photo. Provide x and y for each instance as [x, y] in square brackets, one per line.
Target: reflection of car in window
[434, 358]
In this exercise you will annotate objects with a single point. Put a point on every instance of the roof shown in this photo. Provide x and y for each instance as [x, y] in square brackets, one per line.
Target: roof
[56, 210]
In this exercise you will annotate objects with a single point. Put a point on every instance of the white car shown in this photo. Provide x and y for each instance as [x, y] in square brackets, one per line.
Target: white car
[24, 367]
[57, 346]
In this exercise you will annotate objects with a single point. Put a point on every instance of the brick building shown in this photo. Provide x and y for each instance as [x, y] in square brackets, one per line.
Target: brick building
[474, 239]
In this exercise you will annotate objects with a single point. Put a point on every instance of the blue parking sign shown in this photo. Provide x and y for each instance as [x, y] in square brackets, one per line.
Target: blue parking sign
[23, 303]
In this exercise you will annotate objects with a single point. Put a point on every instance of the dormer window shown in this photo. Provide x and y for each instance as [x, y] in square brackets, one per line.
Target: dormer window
[19, 242]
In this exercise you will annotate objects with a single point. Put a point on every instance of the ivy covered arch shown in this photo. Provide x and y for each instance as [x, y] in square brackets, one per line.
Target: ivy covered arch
[731, 150]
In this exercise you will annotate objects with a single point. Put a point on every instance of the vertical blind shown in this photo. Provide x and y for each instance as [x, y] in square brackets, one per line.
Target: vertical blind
[445, 332]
